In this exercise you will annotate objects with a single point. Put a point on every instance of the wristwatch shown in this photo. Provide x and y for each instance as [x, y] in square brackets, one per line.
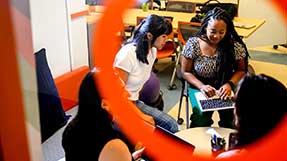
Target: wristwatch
[231, 84]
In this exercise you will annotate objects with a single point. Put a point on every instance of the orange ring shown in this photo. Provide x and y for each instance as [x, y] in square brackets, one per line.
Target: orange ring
[159, 147]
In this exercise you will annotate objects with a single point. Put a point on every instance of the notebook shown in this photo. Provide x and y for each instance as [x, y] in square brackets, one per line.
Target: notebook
[213, 103]
[170, 135]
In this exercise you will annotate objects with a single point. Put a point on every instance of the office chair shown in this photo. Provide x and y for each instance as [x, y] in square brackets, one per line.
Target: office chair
[180, 6]
[277, 45]
[184, 31]
[168, 51]
[127, 31]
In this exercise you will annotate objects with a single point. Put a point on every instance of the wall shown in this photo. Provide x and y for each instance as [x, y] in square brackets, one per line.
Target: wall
[78, 34]
[19, 121]
[274, 31]
[65, 39]
[50, 31]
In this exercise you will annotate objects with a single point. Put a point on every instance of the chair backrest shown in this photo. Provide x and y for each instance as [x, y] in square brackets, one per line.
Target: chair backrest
[186, 30]
[180, 6]
[231, 8]
[170, 19]
[139, 19]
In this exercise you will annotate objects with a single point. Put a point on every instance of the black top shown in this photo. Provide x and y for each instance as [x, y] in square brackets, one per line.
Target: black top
[84, 142]
[86, 135]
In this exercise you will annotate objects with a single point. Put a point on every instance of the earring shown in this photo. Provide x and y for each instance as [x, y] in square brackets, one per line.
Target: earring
[149, 36]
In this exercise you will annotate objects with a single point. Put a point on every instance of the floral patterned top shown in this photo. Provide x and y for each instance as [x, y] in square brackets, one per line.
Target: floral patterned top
[204, 65]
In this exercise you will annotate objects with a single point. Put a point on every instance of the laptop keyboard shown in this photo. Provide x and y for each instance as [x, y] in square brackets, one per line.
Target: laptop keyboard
[215, 103]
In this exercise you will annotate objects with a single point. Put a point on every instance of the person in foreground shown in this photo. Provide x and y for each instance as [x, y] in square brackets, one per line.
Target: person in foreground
[91, 135]
[259, 106]
[214, 61]
[134, 64]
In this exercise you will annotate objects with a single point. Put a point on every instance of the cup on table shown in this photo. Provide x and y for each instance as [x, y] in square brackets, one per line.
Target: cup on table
[232, 141]
[145, 7]
[217, 145]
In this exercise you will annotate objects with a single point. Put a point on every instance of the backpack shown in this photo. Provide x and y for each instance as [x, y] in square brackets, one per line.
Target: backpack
[151, 94]
[159, 104]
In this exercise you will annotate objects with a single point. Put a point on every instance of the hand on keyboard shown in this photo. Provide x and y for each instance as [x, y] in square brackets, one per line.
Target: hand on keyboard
[225, 91]
[208, 91]
[213, 103]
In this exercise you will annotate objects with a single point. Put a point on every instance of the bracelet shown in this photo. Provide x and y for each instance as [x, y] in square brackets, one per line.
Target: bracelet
[231, 84]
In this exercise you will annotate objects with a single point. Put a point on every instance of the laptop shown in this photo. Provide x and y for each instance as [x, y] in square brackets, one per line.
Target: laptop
[213, 103]
[172, 136]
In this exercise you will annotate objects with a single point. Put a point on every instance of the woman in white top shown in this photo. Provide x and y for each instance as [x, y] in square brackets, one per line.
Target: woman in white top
[134, 64]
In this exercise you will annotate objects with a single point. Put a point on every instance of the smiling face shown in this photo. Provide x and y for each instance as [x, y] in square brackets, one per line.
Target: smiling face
[215, 31]
[160, 41]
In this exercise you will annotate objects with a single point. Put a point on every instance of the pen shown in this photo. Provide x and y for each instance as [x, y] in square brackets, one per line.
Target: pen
[214, 139]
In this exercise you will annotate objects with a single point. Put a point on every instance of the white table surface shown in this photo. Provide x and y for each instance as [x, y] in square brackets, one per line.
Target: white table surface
[201, 139]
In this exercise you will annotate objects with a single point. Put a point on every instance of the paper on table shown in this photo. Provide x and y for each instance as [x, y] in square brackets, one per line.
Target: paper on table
[213, 132]
[243, 25]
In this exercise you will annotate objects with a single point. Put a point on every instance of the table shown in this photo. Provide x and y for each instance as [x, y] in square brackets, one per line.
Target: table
[203, 1]
[129, 18]
[201, 140]
[270, 61]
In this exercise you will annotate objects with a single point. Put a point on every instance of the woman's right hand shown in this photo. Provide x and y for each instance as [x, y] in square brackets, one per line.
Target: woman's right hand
[208, 91]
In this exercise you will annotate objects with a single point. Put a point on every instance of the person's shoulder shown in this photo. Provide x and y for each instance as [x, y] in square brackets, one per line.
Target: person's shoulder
[70, 133]
[72, 125]
[230, 154]
[238, 45]
[127, 49]
[192, 39]
[192, 42]
[129, 46]
[191, 47]
[115, 150]
[240, 50]
[126, 52]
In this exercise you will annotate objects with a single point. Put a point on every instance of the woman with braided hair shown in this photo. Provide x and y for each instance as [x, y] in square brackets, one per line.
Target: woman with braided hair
[213, 62]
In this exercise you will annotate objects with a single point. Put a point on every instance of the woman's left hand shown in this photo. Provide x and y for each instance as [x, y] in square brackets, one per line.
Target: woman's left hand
[137, 154]
[225, 91]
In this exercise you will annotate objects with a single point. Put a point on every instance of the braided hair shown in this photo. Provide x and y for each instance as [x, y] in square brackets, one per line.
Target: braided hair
[226, 62]
[154, 24]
